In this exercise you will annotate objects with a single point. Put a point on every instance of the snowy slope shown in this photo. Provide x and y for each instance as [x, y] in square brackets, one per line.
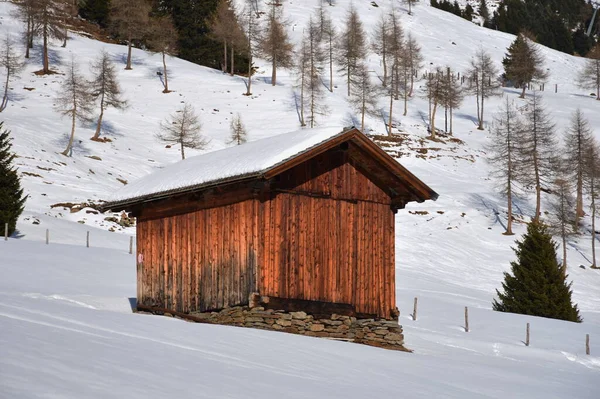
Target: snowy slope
[65, 324]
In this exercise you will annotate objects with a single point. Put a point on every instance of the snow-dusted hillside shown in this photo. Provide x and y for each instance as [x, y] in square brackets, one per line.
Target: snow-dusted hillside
[66, 329]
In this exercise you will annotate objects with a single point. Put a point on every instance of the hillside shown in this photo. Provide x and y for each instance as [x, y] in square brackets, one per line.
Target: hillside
[64, 309]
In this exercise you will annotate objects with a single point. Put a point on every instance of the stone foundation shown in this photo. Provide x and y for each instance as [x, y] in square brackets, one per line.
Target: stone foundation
[380, 333]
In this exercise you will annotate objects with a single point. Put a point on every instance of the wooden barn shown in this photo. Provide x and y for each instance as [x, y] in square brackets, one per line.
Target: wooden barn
[304, 220]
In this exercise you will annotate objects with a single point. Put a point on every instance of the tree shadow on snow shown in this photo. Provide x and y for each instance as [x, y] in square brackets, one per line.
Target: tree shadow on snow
[121, 58]
[54, 58]
[351, 120]
[497, 206]
[461, 115]
[107, 128]
[79, 147]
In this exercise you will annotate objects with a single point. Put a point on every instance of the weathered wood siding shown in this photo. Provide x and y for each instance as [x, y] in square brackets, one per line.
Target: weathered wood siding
[321, 231]
[329, 238]
[199, 261]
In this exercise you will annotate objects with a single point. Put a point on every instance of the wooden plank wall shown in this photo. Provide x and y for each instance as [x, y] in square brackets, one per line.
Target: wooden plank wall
[199, 261]
[327, 250]
[329, 236]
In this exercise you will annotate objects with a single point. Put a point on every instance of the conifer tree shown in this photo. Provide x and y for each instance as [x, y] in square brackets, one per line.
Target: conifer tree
[562, 215]
[503, 149]
[130, 19]
[163, 39]
[577, 140]
[183, 128]
[105, 88]
[363, 96]
[483, 77]
[380, 45]
[483, 11]
[329, 36]
[589, 77]
[537, 285]
[225, 28]
[12, 200]
[275, 43]
[592, 187]
[415, 60]
[538, 150]
[12, 65]
[74, 101]
[352, 45]
[239, 135]
[524, 63]
[48, 25]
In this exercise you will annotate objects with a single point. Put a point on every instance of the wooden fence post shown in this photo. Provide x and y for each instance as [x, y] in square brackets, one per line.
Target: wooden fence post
[527, 336]
[5, 231]
[131, 244]
[466, 319]
[415, 310]
[87, 239]
[47, 236]
[587, 344]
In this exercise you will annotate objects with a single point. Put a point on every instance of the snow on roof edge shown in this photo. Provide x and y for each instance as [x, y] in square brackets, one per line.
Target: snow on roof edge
[308, 139]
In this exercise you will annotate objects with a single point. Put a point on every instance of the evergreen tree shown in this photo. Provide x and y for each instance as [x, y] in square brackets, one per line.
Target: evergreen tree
[95, 10]
[537, 285]
[12, 200]
[484, 12]
[524, 63]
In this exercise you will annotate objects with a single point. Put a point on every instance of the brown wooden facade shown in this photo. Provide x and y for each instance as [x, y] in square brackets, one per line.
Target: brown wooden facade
[320, 228]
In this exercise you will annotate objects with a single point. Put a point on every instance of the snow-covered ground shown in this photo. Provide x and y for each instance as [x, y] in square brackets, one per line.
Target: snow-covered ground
[66, 327]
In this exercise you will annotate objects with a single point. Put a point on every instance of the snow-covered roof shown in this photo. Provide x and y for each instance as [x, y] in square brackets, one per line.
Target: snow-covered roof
[242, 161]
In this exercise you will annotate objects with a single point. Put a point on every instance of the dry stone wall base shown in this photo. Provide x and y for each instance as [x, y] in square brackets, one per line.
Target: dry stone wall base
[381, 333]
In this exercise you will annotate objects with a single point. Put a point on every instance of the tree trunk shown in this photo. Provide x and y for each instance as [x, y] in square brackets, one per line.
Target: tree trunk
[564, 264]
[65, 36]
[5, 97]
[224, 67]
[45, 62]
[451, 132]
[274, 72]
[249, 90]
[99, 124]
[67, 150]
[412, 83]
[232, 56]
[523, 92]
[166, 90]
[362, 121]
[302, 123]
[446, 119]
[391, 103]
[27, 36]
[330, 65]
[480, 127]
[432, 124]
[509, 231]
[128, 66]
[579, 201]
[593, 232]
[385, 74]
[348, 80]
[182, 149]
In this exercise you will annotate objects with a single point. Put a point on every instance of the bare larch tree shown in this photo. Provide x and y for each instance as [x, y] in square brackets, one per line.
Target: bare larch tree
[226, 29]
[26, 13]
[592, 187]
[503, 152]
[163, 39]
[380, 46]
[578, 139]
[538, 151]
[483, 81]
[183, 128]
[75, 101]
[238, 132]
[364, 94]
[130, 19]
[452, 97]
[105, 88]
[562, 216]
[524, 63]
[329, 37]
[395, 41]
[251, 26]
[414, 58]
[351, 45]
[410, 5]
[589, 77]
[47, 24]
[12, 64]
[275, 44]
[310, 67]
[435, 92]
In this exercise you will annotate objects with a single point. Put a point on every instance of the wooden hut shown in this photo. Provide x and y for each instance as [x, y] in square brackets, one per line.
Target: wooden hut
[305, 220]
